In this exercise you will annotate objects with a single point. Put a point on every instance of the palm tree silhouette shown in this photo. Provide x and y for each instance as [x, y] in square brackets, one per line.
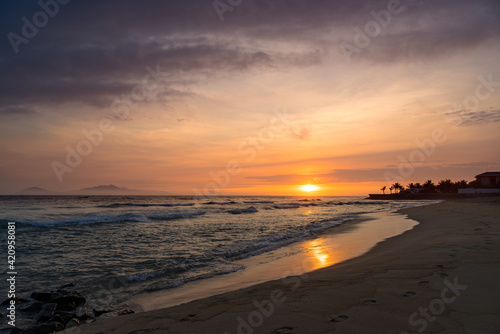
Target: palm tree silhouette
[397, 186]
[383, 189]
[429, 185]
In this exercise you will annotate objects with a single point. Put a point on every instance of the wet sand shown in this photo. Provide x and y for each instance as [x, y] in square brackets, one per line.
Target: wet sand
[439, 277]
[340, 243]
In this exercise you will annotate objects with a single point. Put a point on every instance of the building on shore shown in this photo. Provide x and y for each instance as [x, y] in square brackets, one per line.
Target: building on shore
[488, 182]
[489, 179]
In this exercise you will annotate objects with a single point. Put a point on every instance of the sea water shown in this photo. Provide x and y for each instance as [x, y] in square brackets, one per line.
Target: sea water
[114, 247]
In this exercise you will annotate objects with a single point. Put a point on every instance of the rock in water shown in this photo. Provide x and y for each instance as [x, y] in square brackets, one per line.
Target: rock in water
[84, 315]
[57, 318]
[98, 313]
[69, 285]
[66, 307]
[66, 316]
[73, 323]
[41, 296]
[62, 297]
[127, 311]
[46, 313]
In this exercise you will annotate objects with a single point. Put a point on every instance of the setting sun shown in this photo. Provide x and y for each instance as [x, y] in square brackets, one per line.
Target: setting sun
[309, 187]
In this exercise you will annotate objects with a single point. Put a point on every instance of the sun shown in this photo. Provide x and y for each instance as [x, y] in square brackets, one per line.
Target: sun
[309, 187]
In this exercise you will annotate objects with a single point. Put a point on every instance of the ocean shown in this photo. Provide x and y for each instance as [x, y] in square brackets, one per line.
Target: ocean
[114, 247]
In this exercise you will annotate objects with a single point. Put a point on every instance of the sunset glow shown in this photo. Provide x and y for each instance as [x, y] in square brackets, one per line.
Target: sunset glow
[281, 99]
[309, 187]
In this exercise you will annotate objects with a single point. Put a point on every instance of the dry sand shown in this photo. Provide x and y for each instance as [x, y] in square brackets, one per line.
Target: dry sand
[440, 277]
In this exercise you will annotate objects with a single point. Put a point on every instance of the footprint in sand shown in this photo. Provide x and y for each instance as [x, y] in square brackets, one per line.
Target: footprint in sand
[283, 330]
[409, 293]
[423, 283]
[443, 275]
[368, 302]
[191, 317]
[339, 318]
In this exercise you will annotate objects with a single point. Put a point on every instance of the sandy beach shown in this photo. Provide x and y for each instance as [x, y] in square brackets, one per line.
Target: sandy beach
[439, 277]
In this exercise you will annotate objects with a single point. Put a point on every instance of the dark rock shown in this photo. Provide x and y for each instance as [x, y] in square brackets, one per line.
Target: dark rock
[57, 318]
[67, 297]
[73, 323]
[16, 299]
[41, 296]
[84, 316]
[98, 313]
[66, 316]
[66, 306]
[32, 307]
[127, 311]
[16, 330]
[69, 285]
[45, 328]
[46, 313]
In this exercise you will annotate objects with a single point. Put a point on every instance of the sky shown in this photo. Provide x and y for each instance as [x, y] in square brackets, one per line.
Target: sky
[247, 97]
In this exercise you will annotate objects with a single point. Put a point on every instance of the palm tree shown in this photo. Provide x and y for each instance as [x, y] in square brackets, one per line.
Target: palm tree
[383, 189]
[397, 186]
[461, 184]
[429, 185]
[391, 188]
[418, 185]
[445, 186]
[411, 186]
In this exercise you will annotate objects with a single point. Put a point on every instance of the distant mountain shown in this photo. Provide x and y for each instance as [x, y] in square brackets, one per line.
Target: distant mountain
[110, 189]
[34, 191]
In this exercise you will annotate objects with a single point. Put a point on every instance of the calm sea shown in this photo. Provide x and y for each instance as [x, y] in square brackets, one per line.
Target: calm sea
[112, 247]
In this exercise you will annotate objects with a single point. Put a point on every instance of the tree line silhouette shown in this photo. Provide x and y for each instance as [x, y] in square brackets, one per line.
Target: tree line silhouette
[443, 186]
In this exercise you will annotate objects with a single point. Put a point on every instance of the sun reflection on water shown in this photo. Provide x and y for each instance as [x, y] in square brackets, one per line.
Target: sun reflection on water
[322, 255]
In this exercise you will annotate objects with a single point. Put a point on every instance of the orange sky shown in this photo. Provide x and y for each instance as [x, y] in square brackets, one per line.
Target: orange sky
[282, 111]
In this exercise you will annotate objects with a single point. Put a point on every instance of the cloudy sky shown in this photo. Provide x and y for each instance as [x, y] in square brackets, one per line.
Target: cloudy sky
[247, 96]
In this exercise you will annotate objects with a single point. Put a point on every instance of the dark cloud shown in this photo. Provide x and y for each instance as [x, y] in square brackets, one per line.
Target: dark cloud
[93, 51]
[17, 111]
[468, 118]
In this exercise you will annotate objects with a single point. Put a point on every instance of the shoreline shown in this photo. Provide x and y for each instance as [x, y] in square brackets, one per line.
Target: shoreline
[456, 243]
[430, 196]
[348, 240]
